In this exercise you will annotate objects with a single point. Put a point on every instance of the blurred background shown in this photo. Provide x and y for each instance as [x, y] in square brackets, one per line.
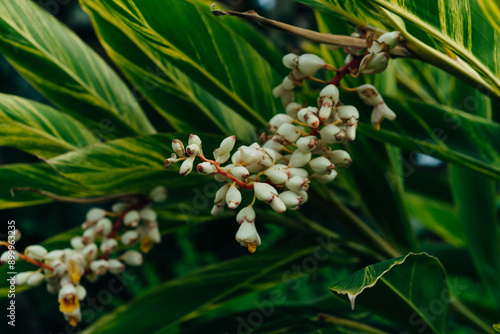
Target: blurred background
[188, 248]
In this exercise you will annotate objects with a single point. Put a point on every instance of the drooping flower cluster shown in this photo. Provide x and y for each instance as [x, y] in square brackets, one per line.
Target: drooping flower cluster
[297, 148]
[93, 254]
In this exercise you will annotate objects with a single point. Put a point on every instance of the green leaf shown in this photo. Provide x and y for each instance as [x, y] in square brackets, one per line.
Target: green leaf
[188, 296]
[457, 25]
[475, 202]
[180, 100]
[491, 9]
[438, 217]
[69, 73]
[38, 129]
[410, 290]
[204, 50]
[436, 130]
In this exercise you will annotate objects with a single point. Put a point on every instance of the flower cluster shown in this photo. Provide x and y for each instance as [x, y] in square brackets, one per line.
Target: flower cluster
[279, 169]
[92, 254]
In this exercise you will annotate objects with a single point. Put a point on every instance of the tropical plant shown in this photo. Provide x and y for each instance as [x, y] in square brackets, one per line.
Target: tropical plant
[392, 245]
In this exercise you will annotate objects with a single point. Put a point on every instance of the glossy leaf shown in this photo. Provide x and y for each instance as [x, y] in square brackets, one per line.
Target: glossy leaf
[491, 9]
[200, 290]
[38, 129]
[404, 290]
[476, 207]
[185, 105]
[69, 73]
[203, 50]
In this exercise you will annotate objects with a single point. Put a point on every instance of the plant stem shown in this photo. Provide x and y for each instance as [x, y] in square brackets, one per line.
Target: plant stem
[361, 328]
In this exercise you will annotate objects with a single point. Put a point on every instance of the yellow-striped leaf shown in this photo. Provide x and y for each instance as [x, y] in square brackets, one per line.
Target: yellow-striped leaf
[69, 73]
[217, 59]
[38, 129]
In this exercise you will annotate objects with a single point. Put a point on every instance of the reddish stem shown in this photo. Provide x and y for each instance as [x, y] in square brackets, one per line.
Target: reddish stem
[240, 183]
[28, 259]
[346, 69]
[119, 221]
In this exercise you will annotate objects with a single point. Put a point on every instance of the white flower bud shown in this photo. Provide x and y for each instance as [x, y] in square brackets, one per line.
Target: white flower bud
[148, 214]
[90, 252]
[103, 227]
[304, 196]
[247, 233]
[54, 255]
[178, 147]
[220, 196]
[297, 172]
[59, 267]
[129, 238]
[350, 130]
[5, 257]
[77, 243]
[287, 84]
[340, 158]
[36, 252]
[374, 63]
[227, 145]
[22, 278]
[326, 109]
[270, 144]
[264, 192]
[277, 121]
[277, 174]
[216, 210]
[132, 258]
[299, 159]
[347, 112]
[309, 64]
[390, 38]
[312, 120]
[118, 207]
[332, 92]
[286, 96]
[250, 156]
[302, 113]
[187, 166]
[131, 219]
[240, 172]
[332, 134]
[194, 139]
[154, 235]
[385, 111]
[99, 267]
[192, 150]
[292, 109]
[94, 214]
[158, 194]
[369, 95]
[81, 292]
[89, 235]
[278, 205]
[321, 165]
[35, 279]
[297, 184]
[291, 60]
[53, 288]
[170, 161]
[108, 246]
[288, 132]
[220, 178]
[326, 178]
[233, 197]
[247, 213]
[206, 168]
[277, 91]
[115, 266]
[307, 144]
[17, 234]
[290, 199]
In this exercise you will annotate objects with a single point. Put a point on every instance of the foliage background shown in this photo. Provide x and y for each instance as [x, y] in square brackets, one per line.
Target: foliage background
[193, 246]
